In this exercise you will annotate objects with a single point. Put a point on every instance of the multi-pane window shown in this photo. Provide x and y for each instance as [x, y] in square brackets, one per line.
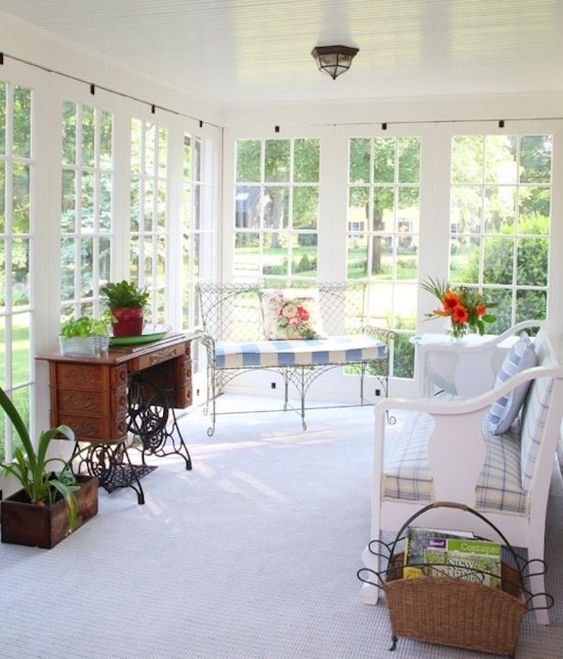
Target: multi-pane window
[198, 232]
[383, 234]
[276, 210]
[16, 313]
[86, 207]
[148, 213]
[500, 221]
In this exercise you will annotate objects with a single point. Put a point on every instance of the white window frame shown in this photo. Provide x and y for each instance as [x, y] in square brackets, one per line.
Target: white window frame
[290, 231]
[77, 302]
[482, 235]
[7, 315]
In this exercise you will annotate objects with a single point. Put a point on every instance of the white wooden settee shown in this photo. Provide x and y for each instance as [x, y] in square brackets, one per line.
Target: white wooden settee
[233, 336]
[444, 452]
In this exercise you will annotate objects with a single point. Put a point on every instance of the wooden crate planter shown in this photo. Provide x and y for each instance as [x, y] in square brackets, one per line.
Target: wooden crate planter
[24, 523]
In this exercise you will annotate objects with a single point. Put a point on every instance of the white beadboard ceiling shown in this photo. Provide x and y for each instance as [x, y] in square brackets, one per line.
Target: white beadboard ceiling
[258, 51]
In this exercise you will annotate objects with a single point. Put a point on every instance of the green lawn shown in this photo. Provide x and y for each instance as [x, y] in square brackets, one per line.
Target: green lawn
[20, 373]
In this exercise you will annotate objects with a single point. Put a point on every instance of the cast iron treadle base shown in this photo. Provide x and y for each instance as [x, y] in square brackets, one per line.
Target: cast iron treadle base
[111, 465]
[147, 418]
[148, 415]
[123, 476]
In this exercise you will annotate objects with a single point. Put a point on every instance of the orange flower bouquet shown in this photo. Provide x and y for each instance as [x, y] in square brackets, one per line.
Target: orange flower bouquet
[465, 307]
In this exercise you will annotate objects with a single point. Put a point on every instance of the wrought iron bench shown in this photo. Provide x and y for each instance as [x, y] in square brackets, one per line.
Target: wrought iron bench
[234, 341]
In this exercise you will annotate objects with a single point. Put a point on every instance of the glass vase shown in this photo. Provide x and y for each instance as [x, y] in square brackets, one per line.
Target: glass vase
[456, 331]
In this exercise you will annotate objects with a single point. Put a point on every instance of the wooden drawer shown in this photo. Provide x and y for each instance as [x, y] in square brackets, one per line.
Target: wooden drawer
[118, 402]
[159, 356]
[183, 393]
[118, 377]
[82, 403]
[90, 377]
[174, 377]
[82, 376]
[95, 429]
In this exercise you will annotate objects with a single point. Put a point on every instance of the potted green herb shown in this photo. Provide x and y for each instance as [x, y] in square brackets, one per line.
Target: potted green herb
[51, 503]
[126, 302]
[85, 335]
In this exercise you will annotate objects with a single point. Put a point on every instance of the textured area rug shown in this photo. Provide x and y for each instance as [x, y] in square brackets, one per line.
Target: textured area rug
[253, 554]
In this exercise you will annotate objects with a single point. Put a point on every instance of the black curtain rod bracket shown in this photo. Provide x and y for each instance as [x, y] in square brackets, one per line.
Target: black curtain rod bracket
[68, 76]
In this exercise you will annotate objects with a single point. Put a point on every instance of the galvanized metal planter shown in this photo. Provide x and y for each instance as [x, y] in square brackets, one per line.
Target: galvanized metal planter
[86, 346]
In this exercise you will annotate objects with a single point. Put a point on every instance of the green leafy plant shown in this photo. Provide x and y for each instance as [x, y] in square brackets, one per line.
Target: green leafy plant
[85, 326]
[31, 467]
[124, 294]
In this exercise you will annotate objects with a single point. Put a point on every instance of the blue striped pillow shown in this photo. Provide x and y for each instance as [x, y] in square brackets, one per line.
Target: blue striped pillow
[505, 409]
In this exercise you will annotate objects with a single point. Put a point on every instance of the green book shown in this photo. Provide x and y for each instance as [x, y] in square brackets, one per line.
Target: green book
[419, 541]
[475, 560]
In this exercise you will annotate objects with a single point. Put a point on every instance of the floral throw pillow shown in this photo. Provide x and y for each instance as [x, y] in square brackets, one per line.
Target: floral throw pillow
[291, 314]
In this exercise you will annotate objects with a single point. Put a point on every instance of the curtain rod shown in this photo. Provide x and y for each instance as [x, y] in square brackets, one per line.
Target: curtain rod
[153, 106]
[93, 86]
[385, 124]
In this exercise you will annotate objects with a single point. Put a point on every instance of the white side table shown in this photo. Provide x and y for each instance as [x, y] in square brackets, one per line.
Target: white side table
[464, 367]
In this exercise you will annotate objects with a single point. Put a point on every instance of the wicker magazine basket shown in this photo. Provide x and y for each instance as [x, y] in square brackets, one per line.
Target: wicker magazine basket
[454, 611]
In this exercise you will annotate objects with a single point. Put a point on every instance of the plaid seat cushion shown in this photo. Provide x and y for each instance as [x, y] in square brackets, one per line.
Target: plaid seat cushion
[304, 352]
[407, 474]
[499, 486]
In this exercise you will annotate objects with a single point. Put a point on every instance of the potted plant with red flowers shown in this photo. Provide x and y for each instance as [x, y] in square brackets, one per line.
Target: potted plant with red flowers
[126, 303]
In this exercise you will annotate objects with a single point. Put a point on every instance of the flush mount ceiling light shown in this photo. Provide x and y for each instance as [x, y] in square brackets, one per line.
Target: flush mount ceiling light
[334, 60]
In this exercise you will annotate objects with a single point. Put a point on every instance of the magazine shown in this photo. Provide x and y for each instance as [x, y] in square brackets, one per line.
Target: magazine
[475, 560]
[418, 541]
[431, 552]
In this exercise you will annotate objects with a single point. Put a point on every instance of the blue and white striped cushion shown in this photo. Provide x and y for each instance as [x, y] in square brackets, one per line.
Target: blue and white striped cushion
[533, 425]
[407, 474]
[302, 352]
[505, 409]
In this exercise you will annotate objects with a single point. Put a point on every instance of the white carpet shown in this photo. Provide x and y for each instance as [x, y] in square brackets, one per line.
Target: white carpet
[253, 554]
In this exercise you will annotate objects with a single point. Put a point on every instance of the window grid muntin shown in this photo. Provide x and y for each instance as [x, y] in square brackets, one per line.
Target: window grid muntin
[393, 284]
[10, 313]
[79, 303]
[284, 233]
[156, 283]
[516, 236]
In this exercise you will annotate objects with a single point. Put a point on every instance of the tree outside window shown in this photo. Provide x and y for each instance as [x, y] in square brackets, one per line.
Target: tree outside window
[383, 230]
[276, 210]
[500, 221]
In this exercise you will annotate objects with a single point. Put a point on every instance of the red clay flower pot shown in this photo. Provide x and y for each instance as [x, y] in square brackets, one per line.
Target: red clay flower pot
[129, 321]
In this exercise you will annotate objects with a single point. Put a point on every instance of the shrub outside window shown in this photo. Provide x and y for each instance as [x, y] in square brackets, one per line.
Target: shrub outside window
[500, 221]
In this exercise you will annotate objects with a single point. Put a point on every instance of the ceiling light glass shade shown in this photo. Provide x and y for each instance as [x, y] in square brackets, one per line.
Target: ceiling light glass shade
[334, 60]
